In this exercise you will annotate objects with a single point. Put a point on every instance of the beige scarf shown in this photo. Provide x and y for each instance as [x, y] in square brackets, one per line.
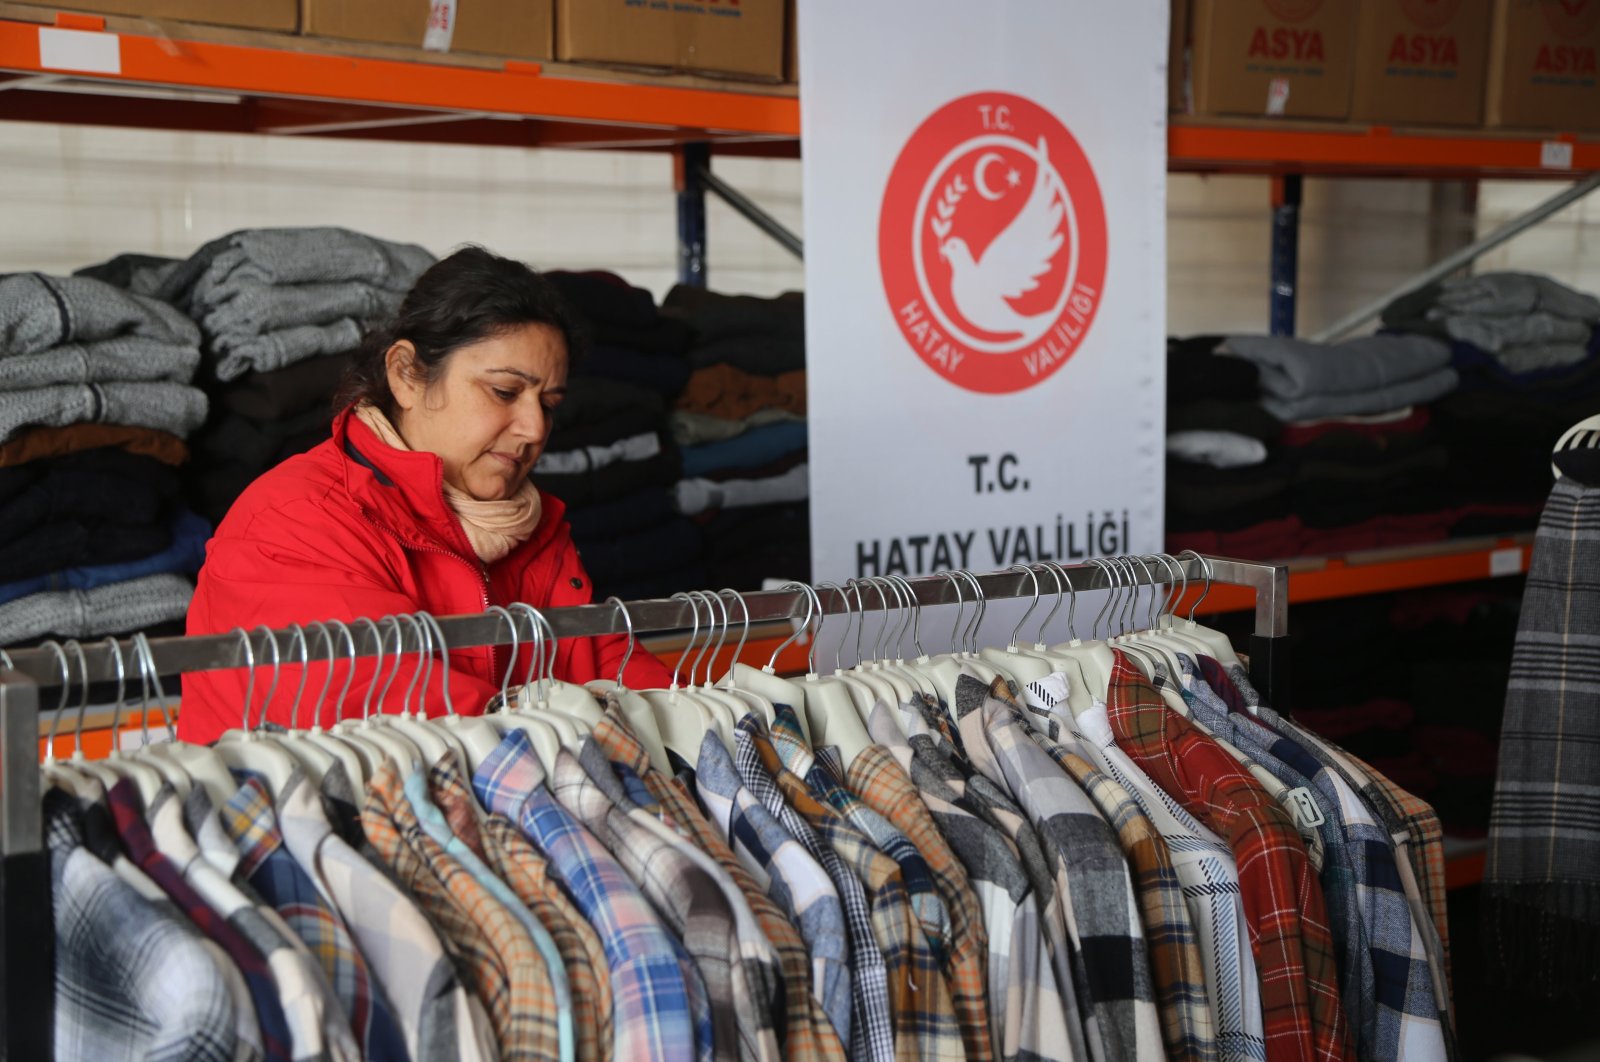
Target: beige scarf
[494, 528]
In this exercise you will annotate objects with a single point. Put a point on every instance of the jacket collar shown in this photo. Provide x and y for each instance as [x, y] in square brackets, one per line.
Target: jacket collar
[403, 491]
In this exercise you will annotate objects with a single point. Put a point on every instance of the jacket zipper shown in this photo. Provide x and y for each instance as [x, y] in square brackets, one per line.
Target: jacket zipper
[481, 573]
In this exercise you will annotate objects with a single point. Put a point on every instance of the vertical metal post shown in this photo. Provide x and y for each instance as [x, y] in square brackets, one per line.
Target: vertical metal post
[1286, 192]
[27, 925]
[1269, 645]
[689, 162]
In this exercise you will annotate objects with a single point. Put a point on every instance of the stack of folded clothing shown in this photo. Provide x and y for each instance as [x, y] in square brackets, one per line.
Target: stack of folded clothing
[1525, 347]
[611, 457]
[1300, 448]
[95, 403]
[279, 311]
[741, 423]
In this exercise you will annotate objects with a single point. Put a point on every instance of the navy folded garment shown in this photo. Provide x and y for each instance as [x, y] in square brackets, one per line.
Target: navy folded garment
[756, 447]
[676, 544]
[632, 512]
[666, 376]
[183, 557]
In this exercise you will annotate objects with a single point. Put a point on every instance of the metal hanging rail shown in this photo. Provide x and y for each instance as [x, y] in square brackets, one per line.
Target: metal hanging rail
[26, 923]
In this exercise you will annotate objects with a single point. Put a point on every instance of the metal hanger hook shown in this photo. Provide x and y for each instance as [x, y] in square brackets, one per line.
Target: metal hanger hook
[694, 636]
[297, 636]
[915, 607]
[115, 651]
[151, 674]
[61, 702]
[961, 607]
[970, 636]
[744, 633]
[416, 672]
[1057, 573]
[277, 673]
[849, 621]
[350, 672]
[1205, 566]
[627, 621]
[516, 644]
[377, 664]
[1111, 587]
[804, 628]
[436, 636]
[249, 651]
[1028, 569]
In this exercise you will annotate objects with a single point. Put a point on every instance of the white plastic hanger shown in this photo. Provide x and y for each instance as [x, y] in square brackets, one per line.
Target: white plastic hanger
[831, 701]
[891, 687]
[1182, 642]
[752, 698]
[988, 670]
[1078, 698]
[313, 759]
[552, 695]
[683, 719]
[766, 681]
[943, 669]
[1093, 657]
[909, 683]
[635, 709]
[245, 750]
[472, 737]
[392, 744]
[347, 753]
[432, 743]
[1024, 666]
[1215, 641]
[911, 619]
[361, 758]
[727, 706]
[66, 775]
[541, 733]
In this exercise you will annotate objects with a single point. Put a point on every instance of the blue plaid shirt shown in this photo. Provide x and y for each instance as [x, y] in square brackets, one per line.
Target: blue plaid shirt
[656, 1014]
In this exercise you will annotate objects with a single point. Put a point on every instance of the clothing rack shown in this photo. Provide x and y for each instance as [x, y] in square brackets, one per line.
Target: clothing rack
[27, 944]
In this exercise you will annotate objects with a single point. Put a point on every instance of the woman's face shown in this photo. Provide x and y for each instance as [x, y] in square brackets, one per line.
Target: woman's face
[488, 414]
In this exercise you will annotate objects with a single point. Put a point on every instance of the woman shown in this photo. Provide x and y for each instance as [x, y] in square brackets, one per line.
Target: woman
[420, 500]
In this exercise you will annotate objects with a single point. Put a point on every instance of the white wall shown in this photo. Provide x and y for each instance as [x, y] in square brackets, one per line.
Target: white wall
[75, 195]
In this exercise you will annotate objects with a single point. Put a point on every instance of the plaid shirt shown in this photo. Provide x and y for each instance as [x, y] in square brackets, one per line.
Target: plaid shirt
[459, 839]
[516, 862]
[827, 782]
[871, 1022]
[1026, 1016]
[268, 867]
[1302, 1013]
[886, 788]
[1418, 837]
[652, 1017]
[994, 805]
[919, 999]
[1400, 1018]
[498, 958]
[133, 980]
[1210, 877]
[688, 900]
[438, 1017]
[123, 800]
[1092, 879]
[806, 1033]
[792, 878]
[1187, 1026]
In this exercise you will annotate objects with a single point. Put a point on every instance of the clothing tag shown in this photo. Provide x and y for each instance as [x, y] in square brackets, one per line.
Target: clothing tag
[441, 26]
[1306, 813]
[1278, 95]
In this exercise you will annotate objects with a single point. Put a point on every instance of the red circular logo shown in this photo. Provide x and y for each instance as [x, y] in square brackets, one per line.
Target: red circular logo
[992, 243]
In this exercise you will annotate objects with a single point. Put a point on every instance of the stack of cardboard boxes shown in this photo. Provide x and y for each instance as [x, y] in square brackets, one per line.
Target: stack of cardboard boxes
[1516, 64]
[741, 39]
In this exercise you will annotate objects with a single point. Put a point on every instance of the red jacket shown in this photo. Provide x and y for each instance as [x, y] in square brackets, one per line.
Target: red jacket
[357, 528]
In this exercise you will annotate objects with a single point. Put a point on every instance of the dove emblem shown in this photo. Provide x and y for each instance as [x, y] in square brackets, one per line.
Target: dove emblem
[992, 242]
[1013, 263]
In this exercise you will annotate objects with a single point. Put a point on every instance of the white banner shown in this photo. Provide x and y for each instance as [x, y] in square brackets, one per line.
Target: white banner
[985, 207]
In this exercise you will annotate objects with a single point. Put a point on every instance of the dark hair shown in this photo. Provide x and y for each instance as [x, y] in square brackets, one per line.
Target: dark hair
[468, 297]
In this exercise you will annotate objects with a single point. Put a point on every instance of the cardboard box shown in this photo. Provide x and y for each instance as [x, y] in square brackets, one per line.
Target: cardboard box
[1542, 65]
[250, 14]
[515, 29]
[740, 38]
[1284, 58]
[1178, 59]
[1421, 62]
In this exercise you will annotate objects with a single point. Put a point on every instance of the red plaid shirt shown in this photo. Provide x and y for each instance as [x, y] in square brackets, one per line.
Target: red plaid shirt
[1301, 1009]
